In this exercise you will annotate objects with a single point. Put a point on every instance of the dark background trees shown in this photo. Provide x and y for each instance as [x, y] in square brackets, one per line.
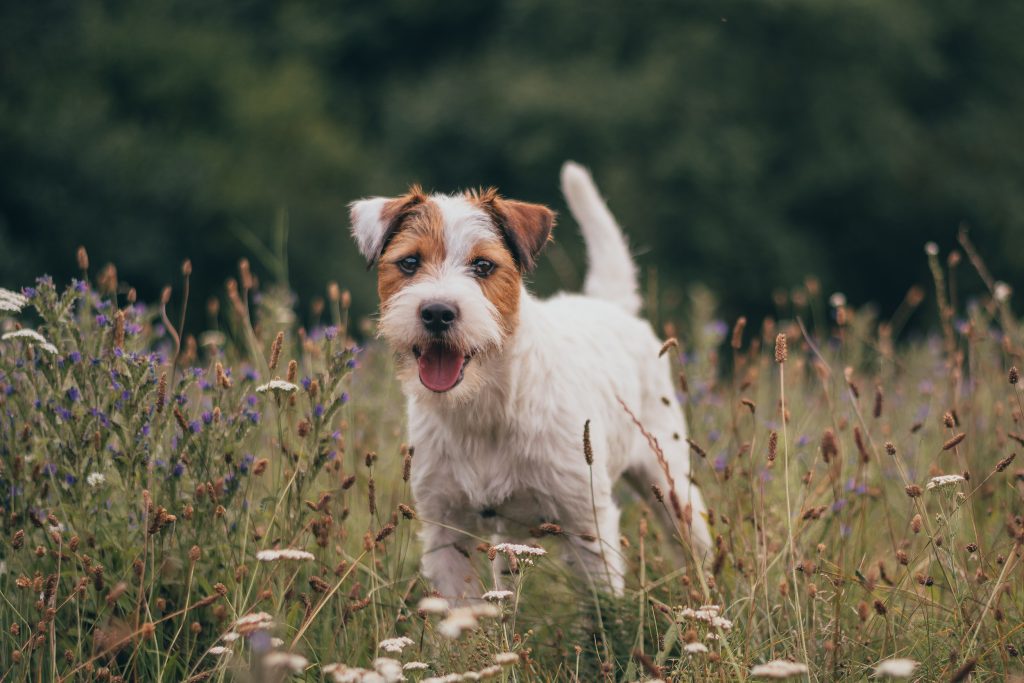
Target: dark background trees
[743, 144]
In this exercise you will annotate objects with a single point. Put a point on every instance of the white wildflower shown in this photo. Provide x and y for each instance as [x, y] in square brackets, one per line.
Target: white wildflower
[944, 480]
[231, 636]
[433, 605]
[395, 644]
[256, 621]
[95, 479]
[489, 671]
[779, 668]
[32, 337]
[11, 302]
[219, 650]
[896, 668]
[212, 338]
[497, 596]
[415, 666]
[504, 658]
[518, 549]
[276, 642]
[470, 676]
[284, 554]
[342, 673]
[457, 621]
[286, 660]
[389, 669]
[695, 648]
[722, 623]
[838, 300]
[449, 678]
[931, 249]
[276, 385]
[1002, 292]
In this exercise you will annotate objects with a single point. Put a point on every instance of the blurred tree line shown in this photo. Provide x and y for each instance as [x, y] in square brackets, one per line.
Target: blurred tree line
[743, 144]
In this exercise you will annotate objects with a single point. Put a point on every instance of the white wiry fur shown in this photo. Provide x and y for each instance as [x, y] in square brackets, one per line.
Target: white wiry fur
[611, 274]
[503, 451]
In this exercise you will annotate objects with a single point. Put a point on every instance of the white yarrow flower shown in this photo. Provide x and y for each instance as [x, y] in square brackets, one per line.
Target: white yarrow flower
[433, 606]
[497, 596]
[395, 644]
[284, 554]
[32, 337]
[415, 666]
[342, 673]
[838, 300]
[779, 668]
[944, 480]
[931, 249]
[695, 648]
[519, 549]
[505, 658]
[95, 479]
[276, 385]
[219, 650]
[12, 302]
[458, 620]
[286, 660]
[1002, 292]
[389, 669]
[896, 668]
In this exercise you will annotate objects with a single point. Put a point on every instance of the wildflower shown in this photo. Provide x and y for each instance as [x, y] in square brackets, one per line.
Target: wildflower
[277, 385]
[896, 668]
[388, 669]
[284, 554]
[1002, 292]
[505, 658]
[32, 337]
[695, 648]
[931, 249]
[433, 605]
[12, 302]
[1014, 375]
[518, 549]
[342, 673]
[837, 300]
[395, 644]
[415, 666]
[944, 480]
[219, 650]
[497, 596]
[286, 660]
[95, 479]
[779, 668]
[465, 619]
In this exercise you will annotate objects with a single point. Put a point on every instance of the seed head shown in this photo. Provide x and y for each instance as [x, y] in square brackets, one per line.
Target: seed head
[1014, 375]
[781, 352]
[773, 445]
[161, 392]
[737, 332]
[588, 450]
[275, 350]
[952, 443]
[829, 447]
[915, 524]
[83, 258]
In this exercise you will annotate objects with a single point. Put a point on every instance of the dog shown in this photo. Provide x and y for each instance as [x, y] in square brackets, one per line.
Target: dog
[501, 385]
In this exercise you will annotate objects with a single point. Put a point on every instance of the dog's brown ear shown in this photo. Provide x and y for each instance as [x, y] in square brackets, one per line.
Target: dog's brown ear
[526, 228]
[376, 220]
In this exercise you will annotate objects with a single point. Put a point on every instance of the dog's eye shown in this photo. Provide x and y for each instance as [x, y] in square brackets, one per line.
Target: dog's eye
[409, 264]
[482, 267]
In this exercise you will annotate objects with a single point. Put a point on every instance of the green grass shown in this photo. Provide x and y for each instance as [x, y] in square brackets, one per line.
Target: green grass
[137, 573]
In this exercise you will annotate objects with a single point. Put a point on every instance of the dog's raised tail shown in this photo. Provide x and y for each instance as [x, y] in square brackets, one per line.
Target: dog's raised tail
[611, 273]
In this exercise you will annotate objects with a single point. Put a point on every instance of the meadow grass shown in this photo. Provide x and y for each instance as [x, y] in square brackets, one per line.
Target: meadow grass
[236, 506]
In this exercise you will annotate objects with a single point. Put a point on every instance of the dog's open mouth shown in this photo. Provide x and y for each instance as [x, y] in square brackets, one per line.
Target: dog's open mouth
[440, 366]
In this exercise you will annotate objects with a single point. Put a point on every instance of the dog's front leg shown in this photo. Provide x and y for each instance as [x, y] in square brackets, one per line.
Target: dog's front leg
[595, 548]
[446, 562]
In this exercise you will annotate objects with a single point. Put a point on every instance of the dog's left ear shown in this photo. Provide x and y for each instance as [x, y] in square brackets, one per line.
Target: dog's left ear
[376, 220]
[526, 228]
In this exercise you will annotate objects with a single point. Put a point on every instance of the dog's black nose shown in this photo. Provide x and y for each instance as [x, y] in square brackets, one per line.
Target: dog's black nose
[438, 317]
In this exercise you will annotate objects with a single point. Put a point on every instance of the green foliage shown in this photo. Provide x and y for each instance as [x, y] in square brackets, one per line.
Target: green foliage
[740, 143]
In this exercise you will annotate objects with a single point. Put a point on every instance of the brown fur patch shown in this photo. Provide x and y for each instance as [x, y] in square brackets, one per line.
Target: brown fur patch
[419, 232]
[503, 285]
[526, 227]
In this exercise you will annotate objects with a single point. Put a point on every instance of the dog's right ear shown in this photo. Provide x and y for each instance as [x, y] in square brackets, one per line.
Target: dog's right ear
[376, 220]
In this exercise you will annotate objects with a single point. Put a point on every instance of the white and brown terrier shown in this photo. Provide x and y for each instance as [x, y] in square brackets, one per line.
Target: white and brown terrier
[500, 384]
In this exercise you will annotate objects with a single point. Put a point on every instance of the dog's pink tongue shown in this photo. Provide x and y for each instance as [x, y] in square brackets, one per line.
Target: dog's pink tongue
[440, 367]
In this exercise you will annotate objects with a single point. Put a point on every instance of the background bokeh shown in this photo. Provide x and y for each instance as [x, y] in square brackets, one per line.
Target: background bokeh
[743, 144]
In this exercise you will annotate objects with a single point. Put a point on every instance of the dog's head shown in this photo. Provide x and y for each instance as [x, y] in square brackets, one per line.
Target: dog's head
[449, 276]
